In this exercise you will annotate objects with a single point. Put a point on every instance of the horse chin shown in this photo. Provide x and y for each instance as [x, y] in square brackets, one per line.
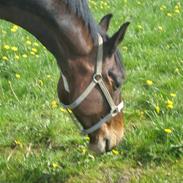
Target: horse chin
[105, 145]
[108, 138]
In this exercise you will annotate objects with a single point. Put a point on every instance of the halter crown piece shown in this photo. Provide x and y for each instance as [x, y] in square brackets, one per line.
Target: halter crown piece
[97, 80]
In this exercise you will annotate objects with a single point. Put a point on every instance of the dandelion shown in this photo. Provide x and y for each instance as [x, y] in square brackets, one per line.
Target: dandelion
[24, 56]
[28, 42]
[18, 143]
[83, 150]
[54, 104]
[167, 130]
[173, 94]
[125, 48]
[177, 11]
[140, 27]
[63, 110]
[177, 70]
[87, 138]
[169, 104]
[14, 28]
[5, 58]
[157, 109]
[162, 7]
[115, 152]
[17, 57]
[139, 3]
[55, 165]
[141, 113]
[34, 50]
[169, 14]
[160, 28]
[48, 76]
[6, 47]
[36, 44]
[149, 82]
[17, 76]
[13, 48]
[32, 53]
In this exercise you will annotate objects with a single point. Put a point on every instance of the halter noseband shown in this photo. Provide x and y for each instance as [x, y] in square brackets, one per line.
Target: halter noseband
[97, 80]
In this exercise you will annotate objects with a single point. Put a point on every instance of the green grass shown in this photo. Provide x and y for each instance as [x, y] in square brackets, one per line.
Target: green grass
[39, 143]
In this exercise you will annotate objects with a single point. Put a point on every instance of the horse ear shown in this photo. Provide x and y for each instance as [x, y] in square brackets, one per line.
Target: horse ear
[116, 39]
[104, 22]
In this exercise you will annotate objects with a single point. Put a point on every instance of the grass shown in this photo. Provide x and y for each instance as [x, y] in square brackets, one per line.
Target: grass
[39, 142]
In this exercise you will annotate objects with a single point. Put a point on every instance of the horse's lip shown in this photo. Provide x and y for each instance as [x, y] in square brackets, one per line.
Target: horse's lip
[107, 145]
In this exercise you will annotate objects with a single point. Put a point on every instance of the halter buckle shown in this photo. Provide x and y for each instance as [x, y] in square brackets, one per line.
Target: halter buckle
[97, 78]
[115, 111]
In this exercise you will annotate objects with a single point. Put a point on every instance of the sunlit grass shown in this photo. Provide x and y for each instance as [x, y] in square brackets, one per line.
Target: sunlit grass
[39, 142]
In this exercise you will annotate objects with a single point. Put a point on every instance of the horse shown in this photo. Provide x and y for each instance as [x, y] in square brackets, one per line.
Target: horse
[89, 60]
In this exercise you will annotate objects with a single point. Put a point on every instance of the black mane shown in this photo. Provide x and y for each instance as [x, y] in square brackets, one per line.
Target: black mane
[81, 9]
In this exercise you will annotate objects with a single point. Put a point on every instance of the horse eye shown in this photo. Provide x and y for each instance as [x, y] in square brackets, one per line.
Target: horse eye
[116, 78]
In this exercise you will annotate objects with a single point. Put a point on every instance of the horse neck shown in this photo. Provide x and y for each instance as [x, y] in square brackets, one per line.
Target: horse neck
[50, 21]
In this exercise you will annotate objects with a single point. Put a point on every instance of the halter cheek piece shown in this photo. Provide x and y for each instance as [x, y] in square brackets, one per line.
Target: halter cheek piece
[97, 80]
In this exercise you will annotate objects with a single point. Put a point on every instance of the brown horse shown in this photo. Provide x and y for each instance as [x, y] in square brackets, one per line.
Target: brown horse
[90, 64]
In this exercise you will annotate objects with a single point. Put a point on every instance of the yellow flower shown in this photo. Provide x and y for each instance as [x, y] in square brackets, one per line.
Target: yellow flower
[14, 48]
[5, 58]
[17, 57]
[36, 44]
[173, 94]
[24, 56]
[149, 82]
[162, 7]
[115, 152]
[14, 28]
[160, 28]
[169, 104]
[6, 47]
[177, 11]
[167, 130]
[48, 76]
[17, 76]
[18, 143]
[40, 82]
[28, 42]
[54, 104]
[157, 108]
[140, 27]
[125, 48]
[32, 53]
[141, 113]
[87, 138]
[169, 14]
[55, 165]
[63, 110]
[34, 50]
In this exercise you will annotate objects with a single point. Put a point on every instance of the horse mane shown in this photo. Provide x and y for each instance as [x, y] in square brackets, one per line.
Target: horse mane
[81, 9]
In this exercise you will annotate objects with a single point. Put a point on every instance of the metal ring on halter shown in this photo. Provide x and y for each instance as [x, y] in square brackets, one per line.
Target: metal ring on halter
[97, 78]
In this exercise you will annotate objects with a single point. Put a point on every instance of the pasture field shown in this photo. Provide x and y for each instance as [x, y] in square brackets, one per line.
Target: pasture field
[39, 142]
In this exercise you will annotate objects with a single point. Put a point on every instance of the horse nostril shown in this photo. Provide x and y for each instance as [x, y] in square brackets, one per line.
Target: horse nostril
[107, 145]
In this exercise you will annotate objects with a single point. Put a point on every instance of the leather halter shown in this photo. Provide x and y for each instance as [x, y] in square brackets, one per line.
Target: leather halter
[97, 80]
